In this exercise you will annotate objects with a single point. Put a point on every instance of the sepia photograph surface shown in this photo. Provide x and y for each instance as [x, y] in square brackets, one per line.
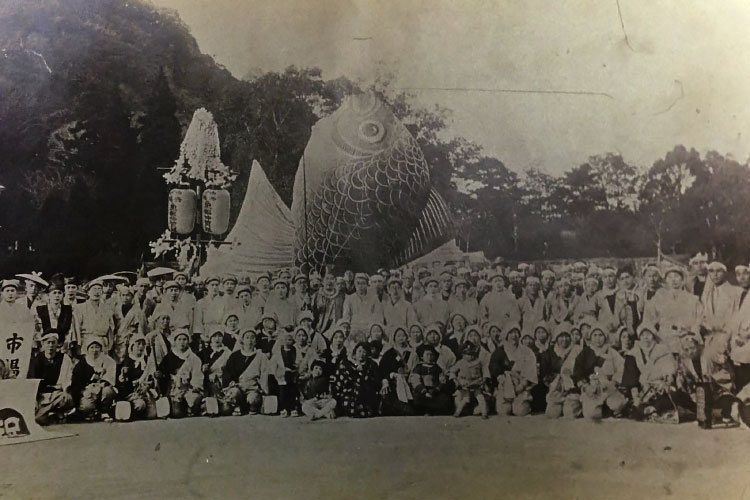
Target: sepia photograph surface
[360, 249]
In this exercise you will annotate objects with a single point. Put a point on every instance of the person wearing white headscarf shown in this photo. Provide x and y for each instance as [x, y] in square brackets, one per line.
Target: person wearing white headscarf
[597, 372]
[181, 376]
[136, 381]
[513, 365]
[214, 357]
[649, 375]
[245, 378]
[93, 381]
[434, 337]
[556, 373]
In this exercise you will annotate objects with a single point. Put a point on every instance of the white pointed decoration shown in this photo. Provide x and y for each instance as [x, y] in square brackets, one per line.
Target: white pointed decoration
[200, 155]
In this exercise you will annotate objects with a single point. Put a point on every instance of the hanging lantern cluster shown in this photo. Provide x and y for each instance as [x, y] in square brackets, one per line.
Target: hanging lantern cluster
[182, 213]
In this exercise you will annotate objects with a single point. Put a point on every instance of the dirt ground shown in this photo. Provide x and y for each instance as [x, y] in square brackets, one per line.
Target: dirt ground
[394, 458]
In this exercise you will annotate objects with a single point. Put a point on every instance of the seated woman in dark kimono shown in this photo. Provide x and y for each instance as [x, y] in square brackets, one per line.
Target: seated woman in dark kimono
[394, 389]
[555, 374]
[244, 378]
[135, 379]
[93, 380]
[180, 377]
[649, 376]
[377, 342]
[336, 353]
[355, 385]
[213, 360]
[597, 372]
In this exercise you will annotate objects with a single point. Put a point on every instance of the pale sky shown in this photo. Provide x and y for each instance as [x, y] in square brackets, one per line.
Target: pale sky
[684, 78]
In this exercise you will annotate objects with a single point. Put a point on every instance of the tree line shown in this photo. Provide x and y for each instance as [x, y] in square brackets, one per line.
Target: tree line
[98, 95]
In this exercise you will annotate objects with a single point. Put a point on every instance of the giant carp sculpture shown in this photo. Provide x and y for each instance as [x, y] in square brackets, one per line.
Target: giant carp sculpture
[362, 200]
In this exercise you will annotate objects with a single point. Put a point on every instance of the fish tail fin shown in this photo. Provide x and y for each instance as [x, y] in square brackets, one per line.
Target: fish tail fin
[434, 228]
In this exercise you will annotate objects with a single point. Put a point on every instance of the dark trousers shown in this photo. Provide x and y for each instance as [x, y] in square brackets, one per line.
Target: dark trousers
[289, 397]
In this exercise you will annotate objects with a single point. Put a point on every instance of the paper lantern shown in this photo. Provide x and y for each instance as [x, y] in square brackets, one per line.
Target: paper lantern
[181, 213]
[216, 211]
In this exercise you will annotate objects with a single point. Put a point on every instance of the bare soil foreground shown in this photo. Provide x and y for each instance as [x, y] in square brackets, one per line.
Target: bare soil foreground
[394, 458]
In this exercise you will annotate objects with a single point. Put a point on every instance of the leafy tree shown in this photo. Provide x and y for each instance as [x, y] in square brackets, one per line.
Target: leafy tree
[662, 192]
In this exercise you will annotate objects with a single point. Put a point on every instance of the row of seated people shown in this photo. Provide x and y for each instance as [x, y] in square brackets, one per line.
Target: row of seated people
[572, 371]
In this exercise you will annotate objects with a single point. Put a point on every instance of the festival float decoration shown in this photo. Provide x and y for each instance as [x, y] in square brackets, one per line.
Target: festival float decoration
[362, 200]
[198, 174]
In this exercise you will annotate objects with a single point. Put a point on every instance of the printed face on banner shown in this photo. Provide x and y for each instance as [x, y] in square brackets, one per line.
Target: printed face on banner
[12, 424]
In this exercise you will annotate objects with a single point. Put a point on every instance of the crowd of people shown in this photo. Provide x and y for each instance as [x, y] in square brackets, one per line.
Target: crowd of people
[662, 343]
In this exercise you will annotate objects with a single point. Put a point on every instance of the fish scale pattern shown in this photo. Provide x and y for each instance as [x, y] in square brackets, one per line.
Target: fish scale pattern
[366, 208]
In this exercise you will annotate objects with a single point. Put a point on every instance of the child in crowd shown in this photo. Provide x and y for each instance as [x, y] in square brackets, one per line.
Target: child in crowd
[318, 402]
[285, 363]
[468, 375]
[428, 383]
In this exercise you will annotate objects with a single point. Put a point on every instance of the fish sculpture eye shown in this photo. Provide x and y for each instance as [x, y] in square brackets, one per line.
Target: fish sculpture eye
[371, 131]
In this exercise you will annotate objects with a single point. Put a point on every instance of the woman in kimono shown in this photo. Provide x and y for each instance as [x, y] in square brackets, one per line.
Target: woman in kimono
[556, 370]
[474, 335]
[130, 320]
[304, 352]
[214, 359]
[377, 341]
[495, 333]
[231, 334]
[180, 376]
[395, 391]
[486, 341]
[434, 337]
[598, 373]
[626, 341]
[157, 341]
[649, 375]
[542, 338]
[416, 335]
[135, 379]
[93, 382]
[244, 378]
[336, 352]
[528, 340]
[355, 385]
[575, 336]
[513, 366]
